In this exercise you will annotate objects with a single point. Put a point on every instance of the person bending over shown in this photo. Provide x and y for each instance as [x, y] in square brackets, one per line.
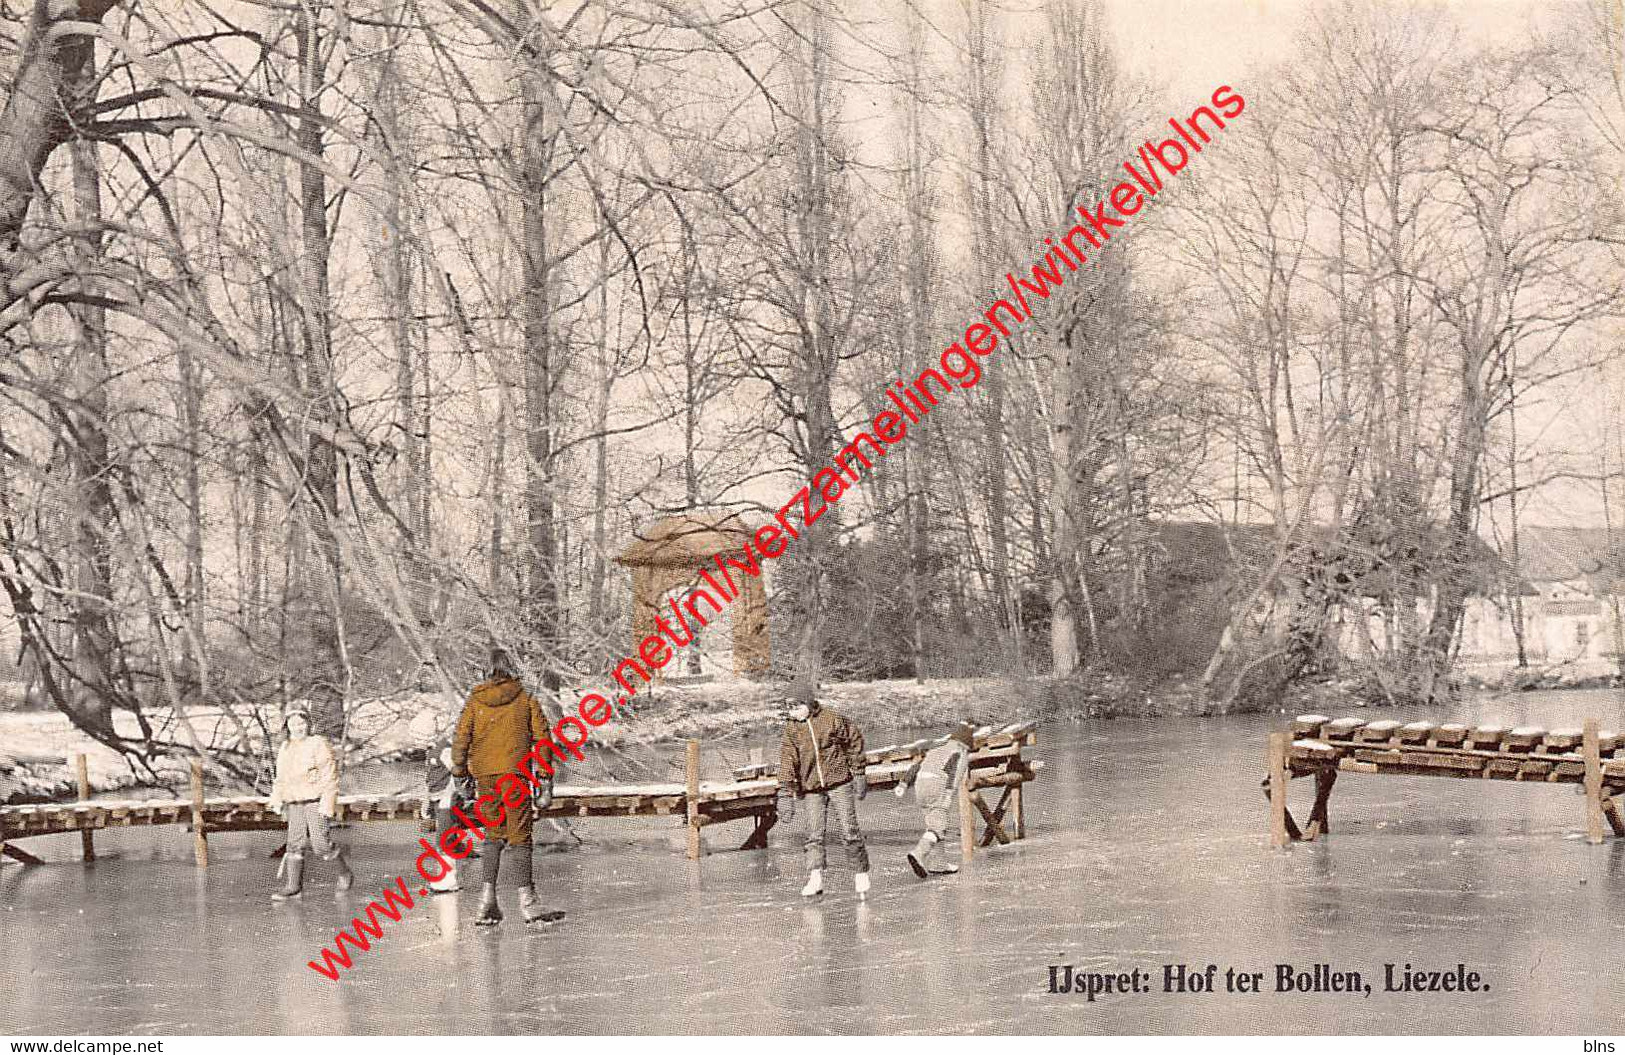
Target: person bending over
[821, 760]
[936, 779]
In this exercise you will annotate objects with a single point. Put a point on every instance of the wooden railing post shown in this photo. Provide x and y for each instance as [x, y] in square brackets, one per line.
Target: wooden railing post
[87, 841]
[692, 779]
[967, 816]
[1278, 780]
[200, 841]
[1593, 781]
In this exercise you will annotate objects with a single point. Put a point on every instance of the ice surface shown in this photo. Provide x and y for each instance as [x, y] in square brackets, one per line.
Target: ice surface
[1147, 846]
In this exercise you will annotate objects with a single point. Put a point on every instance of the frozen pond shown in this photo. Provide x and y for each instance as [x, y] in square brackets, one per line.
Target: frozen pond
[1147, 845]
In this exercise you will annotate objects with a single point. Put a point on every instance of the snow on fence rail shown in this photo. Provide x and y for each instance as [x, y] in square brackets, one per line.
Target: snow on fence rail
[1323, 747]
[997, 762]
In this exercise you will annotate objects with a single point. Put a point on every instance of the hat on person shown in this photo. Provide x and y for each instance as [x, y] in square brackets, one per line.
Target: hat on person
[299, 709]
[801, 693]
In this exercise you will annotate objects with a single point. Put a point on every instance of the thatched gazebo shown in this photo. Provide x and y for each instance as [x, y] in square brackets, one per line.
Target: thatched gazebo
[671, 554]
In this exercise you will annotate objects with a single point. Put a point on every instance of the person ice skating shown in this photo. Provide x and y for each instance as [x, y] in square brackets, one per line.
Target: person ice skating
[821, 759]
[499, 724]
[436, 816]
[936, 779]
[306, 789]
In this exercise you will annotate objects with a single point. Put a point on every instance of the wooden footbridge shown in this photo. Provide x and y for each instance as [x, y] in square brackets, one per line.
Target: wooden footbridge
[1323, 748]
[997, 762]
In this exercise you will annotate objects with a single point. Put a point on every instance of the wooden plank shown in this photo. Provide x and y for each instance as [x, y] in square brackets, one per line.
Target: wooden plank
[1307, 726]
[1276, 768]
[1314, 752]
[1563, 740]
[1319, 814]
[1590, 751]
[1376, 732]
[994, 818]
[1450, 734]
[200, 841]
[1436, 759]
[967, 823]
[691, 771]
[1415, 732]
[1523, 738]
[87, 841]
[18, 854]
[1025, 729]
[1616, 817]
[1341, 728]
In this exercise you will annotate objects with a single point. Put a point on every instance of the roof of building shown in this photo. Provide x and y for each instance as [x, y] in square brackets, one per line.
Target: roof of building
[686, 540]
[1571, 554]
[1205, 551]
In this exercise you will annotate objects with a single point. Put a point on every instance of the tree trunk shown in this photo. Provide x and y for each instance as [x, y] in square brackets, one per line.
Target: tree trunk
[329, 680]
[818, 354]
[92, 682]
[1063, 630]
[600, 483]
[34, 123]
[541, 599]
[982, 73]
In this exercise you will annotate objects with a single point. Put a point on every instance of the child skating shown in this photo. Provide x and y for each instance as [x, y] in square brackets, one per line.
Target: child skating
[436, 817]
[936, 780]
[821, 760]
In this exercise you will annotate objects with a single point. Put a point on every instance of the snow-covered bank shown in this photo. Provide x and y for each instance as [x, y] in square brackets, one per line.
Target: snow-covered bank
[36, 748]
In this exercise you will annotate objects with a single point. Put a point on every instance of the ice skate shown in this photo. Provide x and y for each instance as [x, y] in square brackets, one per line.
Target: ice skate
[919, 857]
[530, 907]
[446, 884]
[815, 883]
[490, 913]
[860, 884]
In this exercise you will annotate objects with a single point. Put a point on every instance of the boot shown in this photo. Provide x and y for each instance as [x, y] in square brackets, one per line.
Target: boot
[919, 857]
[446, 884]
[815, 883]
[491, 862]
[294, 884]
[860, 883]
[519, 857]
[490, 912]
[346, 877]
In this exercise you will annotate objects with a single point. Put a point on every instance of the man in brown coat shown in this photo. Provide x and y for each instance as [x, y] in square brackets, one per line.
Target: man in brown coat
[499, 724]
[821, 759]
